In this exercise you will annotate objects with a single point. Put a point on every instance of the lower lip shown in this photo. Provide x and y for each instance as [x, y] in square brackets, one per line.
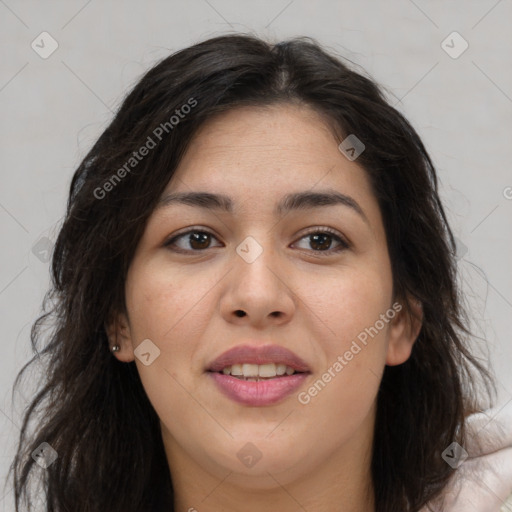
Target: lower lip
[263, 392]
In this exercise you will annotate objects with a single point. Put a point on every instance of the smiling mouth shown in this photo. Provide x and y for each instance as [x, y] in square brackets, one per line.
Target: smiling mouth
[257, 390]
[258, 378]
[255, 373]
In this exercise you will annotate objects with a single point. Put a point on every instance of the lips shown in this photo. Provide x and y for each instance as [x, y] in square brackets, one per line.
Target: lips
[256, 392]
[258, 355]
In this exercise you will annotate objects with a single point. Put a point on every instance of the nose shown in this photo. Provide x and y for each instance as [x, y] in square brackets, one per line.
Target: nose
[256, 291]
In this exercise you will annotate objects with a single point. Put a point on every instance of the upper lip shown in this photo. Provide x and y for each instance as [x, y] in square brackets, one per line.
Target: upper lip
[262, 354]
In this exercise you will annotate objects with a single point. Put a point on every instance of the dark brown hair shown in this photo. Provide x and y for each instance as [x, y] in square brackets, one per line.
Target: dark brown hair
[93, 409]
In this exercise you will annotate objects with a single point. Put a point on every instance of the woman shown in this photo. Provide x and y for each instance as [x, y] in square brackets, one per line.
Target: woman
[253, 213]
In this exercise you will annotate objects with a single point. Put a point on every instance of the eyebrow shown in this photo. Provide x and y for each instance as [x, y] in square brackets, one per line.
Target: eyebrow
[290, 202]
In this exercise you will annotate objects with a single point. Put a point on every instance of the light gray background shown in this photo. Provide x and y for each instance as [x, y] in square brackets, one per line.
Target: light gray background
[53, 109]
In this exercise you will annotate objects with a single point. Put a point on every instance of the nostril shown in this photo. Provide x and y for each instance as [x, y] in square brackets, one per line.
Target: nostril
[239, 313]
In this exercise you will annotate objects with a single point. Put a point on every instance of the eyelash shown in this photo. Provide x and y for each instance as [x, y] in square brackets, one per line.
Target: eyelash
[324, 230]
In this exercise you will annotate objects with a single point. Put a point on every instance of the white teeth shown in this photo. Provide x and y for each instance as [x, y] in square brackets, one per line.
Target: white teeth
[250, 371]
[280, 369]
[236, 369]
[267, 370]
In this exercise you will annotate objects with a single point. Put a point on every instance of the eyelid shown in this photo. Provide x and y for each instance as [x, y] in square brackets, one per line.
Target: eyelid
[330, 231]
[191, 229]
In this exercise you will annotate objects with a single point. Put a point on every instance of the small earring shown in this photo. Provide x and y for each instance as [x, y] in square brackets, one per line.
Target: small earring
[115, 348]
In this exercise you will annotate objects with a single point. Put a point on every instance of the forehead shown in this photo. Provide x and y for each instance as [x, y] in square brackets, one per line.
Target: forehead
[265, 150]
[265, 122]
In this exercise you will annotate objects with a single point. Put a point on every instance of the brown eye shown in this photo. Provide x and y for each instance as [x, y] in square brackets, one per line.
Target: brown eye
[321, 240]
[199, 240]
[194, 240]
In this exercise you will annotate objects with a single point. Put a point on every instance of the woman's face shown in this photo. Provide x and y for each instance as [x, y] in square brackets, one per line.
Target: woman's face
[324, 301]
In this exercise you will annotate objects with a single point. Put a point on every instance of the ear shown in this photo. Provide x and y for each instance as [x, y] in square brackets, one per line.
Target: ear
[118, 332]
[403, 331]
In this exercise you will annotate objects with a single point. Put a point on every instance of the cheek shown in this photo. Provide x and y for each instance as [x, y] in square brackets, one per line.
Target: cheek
[353, 338]
[167, 309]
[163, 304]
[349, 304]
[173, 310]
